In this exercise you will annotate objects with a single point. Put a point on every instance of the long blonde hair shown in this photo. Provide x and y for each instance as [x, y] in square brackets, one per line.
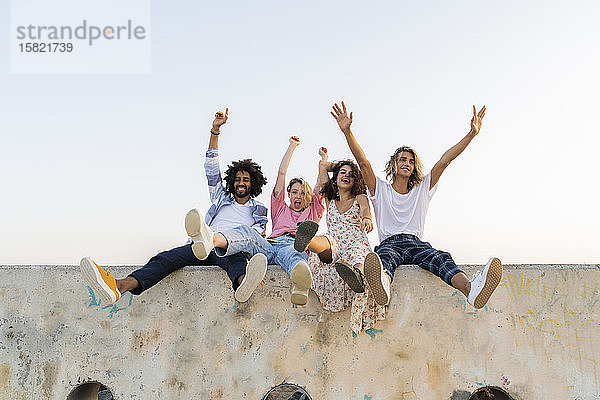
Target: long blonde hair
[391, 167]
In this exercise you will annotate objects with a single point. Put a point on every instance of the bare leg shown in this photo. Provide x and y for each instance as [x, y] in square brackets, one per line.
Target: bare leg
[240, 279]
[326, 256]
[462, 283]
[127, 284]
[219, 241]
[321, 246]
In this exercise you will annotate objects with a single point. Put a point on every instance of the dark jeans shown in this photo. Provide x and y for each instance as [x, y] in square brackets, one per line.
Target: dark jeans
[169, 261]
[409, 249]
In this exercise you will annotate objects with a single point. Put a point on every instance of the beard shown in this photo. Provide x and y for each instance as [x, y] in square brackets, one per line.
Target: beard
[241, 191]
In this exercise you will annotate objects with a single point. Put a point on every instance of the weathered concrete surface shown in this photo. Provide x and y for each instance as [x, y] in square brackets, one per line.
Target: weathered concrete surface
[186, 338]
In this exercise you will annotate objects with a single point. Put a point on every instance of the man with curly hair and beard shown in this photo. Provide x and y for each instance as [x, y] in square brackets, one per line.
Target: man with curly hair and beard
[233, 205]
[400, 211]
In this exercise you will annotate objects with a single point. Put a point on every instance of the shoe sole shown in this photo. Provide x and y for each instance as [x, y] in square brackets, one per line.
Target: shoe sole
[349, 276]
[255, 272]
[92, 277]
[373, 276]
[306, 231]
[196, 229]
[301, 278]
[492, 279]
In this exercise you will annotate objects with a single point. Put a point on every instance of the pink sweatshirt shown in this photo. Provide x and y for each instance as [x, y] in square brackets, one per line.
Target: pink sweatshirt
[285, 220]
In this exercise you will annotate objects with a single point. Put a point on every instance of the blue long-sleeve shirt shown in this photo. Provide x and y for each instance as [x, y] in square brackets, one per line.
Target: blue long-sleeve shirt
[219, 198]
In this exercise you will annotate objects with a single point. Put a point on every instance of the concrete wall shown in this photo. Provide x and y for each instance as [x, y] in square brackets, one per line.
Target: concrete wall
[186, 338]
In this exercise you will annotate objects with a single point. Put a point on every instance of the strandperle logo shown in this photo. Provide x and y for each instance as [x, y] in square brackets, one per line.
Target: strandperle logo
[85, 31]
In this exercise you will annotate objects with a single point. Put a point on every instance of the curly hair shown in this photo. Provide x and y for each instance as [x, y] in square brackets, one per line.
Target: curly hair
[308, 192]
[391, 167]
[257, 179]
[330, 189]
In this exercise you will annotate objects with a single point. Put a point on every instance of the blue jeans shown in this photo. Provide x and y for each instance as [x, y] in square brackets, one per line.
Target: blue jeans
[279, 250]
[409, 249]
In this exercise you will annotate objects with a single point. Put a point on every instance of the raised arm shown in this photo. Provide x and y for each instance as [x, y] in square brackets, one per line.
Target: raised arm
[454, 151]
[283, 166]
[366, 222]
[215, 131]
[211, 163]
[323, 168]
[344, 121]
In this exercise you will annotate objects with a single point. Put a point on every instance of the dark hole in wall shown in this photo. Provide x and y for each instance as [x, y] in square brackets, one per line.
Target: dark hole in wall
[90, 391]
[287, 391]
[490, 393]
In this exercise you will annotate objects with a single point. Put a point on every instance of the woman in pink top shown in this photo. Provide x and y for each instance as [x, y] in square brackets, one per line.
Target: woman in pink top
[305, 204]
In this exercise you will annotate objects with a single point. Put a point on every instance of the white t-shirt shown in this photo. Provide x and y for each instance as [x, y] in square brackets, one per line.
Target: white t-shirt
[231, 216]
[401, 213]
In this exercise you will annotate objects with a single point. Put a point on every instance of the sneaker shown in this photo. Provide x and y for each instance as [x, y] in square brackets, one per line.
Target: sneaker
[200, 233]
[298, 395]
[351, 275]
[377, 279]
[306, 231]
[101, 281]
[484, 283]
[255, 272]
[301, 282]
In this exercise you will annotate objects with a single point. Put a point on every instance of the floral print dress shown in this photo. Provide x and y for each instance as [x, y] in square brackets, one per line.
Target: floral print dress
[350, 245]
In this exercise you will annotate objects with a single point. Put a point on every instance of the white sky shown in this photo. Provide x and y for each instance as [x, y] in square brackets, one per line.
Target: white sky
[107, 165]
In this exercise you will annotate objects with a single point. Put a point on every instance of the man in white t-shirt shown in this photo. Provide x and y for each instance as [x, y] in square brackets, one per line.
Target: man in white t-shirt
[400, 210]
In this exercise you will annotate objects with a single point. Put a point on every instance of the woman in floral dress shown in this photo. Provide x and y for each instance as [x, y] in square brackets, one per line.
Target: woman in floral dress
[336, 259]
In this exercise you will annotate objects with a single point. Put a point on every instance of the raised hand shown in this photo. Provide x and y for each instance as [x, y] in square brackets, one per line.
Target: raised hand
[341, 116]
[323, 154]
[295, 140]
[477, 120]
[220, 119]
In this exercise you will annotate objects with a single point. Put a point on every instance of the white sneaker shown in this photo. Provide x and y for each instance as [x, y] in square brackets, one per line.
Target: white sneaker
[255, 272]
[377, 279]
[484, 283]
[200, 233]
[301, 282]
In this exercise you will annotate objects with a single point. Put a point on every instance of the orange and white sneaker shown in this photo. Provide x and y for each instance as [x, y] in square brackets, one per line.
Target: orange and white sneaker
[101, 281]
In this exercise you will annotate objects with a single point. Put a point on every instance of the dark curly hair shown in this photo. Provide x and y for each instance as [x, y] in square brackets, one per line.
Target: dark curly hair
[330, 189]
[257, 179]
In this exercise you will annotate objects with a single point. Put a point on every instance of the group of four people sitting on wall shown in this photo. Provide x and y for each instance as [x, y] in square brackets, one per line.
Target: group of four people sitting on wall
[339, 266]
